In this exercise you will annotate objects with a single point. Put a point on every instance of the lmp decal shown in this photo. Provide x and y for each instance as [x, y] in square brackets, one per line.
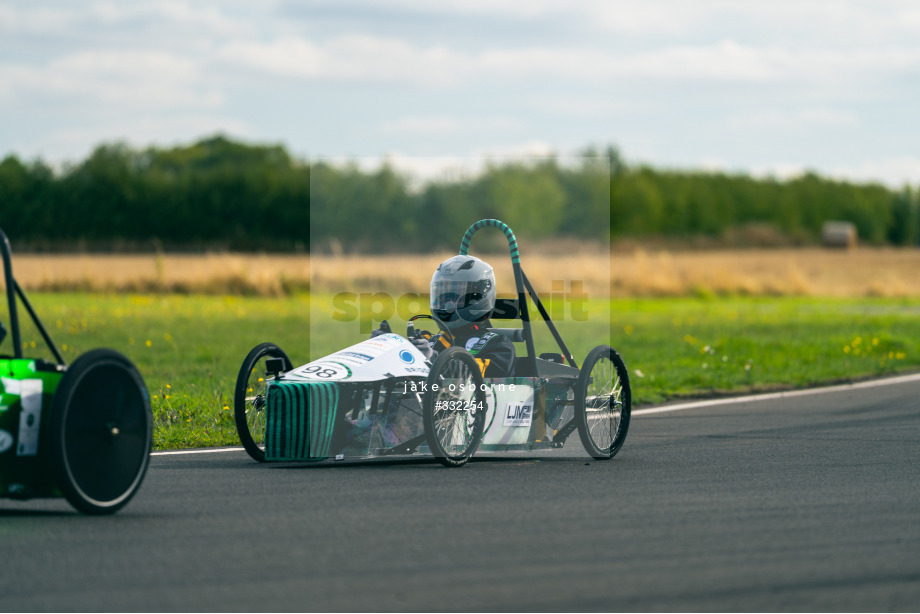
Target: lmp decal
[518, 414]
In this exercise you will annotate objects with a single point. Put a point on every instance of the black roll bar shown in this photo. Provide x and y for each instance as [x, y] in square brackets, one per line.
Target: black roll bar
[13, 289]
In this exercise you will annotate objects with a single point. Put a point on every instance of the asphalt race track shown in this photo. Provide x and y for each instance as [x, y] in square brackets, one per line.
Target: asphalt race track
[803, 502]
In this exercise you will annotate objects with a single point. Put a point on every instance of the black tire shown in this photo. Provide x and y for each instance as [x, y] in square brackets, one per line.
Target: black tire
[603, 401]
[100, 432]
[249, 397]
[453, 367]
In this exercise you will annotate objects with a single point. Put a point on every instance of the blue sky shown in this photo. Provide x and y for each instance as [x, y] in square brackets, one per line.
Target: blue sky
[767, 87]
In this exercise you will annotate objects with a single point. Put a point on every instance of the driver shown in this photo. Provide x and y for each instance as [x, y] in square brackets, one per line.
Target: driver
[462, 299]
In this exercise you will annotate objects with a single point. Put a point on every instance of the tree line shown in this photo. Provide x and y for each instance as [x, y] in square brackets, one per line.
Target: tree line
[223, 194]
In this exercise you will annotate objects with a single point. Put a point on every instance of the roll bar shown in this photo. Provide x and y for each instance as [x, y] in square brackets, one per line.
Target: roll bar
[13, 290]
[524, 288]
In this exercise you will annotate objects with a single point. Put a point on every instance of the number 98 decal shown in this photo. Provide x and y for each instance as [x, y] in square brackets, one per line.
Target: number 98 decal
[326, 371]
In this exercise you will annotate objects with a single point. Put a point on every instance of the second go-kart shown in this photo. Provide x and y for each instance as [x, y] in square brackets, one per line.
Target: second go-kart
[382, 396]
[82, 431]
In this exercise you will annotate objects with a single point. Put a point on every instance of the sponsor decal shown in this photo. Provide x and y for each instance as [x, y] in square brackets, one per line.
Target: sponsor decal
[471, 342]
[6, 441]
[355, 356]
[518, 414]
[480, 343]
[10, 386]
[407, 357]
[29, 417]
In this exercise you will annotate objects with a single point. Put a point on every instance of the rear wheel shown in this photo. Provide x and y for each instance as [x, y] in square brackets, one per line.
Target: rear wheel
[454, 407]
[249, 397]
[101, 431]
[603, 400]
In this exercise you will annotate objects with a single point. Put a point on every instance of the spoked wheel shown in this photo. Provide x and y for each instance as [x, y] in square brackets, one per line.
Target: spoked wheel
[101, 431]
[250, 395]
[602, 402]
[455, 412]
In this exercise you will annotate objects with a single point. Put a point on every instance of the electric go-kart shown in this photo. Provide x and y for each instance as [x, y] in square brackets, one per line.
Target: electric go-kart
[83, 431]
[382, 397]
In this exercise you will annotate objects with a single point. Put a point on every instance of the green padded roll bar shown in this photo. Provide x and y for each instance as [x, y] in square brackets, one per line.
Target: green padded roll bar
[512, 242]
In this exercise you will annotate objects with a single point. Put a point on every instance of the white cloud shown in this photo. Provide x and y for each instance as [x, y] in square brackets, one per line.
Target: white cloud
[186, 15]
[37, 20]
[144, 78]
[74, 21]
[640, 17]
[630, 16]
[785, 121]
[444, 124]
[896, 172]
[288, 56]
[726, 60]
[713, 164]
[417, 170]
[518, 10]
[424, 169]
[351, 58]
[734, 62]
[533, 148]
[366, 58]
[817, 21]
[585, 105]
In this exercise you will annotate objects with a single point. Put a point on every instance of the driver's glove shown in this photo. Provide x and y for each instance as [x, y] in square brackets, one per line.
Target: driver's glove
[384, 329]
[423, 346]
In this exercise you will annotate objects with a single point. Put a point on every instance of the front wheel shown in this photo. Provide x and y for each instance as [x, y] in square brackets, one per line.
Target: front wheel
[454, 407]
[603, 400]
[101, 432]
[249, 397]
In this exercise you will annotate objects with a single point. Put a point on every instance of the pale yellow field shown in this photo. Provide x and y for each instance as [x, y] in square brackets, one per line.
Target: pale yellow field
[807, 271]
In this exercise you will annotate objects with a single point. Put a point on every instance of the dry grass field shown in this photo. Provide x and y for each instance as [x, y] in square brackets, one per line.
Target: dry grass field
[775, 272]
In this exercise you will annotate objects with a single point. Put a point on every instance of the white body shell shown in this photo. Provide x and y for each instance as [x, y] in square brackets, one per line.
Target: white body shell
[375, 359]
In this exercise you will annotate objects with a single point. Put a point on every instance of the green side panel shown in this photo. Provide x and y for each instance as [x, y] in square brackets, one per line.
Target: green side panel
[24, 470]
[299, 420]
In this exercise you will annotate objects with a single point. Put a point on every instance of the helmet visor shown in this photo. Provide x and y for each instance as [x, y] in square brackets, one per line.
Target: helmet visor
[453, 295]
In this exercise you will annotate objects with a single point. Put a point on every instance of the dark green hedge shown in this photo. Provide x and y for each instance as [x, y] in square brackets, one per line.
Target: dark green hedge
[219, 193]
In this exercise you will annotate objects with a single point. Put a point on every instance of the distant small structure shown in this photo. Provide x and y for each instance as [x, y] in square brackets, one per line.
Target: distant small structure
[839, 234]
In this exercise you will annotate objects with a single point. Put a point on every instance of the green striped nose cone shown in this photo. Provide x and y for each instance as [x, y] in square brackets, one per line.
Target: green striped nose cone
[299, 420]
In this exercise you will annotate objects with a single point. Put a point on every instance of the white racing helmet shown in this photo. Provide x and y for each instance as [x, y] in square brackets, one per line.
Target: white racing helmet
[462, 292]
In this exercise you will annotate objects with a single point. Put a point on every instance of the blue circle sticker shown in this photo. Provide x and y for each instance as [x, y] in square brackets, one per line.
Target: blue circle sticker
[407, 357]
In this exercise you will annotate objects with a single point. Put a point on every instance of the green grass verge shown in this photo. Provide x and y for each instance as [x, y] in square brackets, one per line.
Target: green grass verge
[189, 348]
